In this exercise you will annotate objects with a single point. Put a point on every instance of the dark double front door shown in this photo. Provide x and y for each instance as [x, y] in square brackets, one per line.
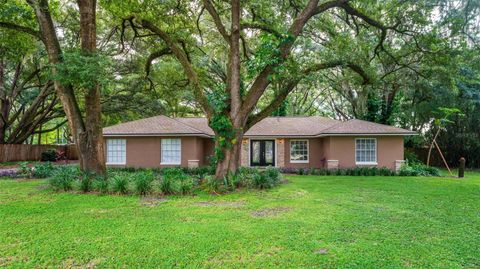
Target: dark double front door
[262, 152]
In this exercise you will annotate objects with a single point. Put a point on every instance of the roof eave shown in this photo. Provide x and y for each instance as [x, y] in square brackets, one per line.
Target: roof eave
[366, 134]
[155, 134]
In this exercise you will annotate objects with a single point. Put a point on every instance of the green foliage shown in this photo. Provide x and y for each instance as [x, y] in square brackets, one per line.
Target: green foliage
[84, 71]
[211, 185]
[411, 157]
[49, 155]
[101, 185]
[199, 171]
[43, 170]
[64, 178]
[86, 182]
[24, 170]
[225, 134]
[172, 179]
[167, 185]
[356, 171]
[418, 169]
[89, 181]
[266, 179]
[268, 53]
[446, 114]
[185, 185]
[143, 182]
[119, 183]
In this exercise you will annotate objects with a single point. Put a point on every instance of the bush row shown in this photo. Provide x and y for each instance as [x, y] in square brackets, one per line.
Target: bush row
[406, 170]
[169, 181]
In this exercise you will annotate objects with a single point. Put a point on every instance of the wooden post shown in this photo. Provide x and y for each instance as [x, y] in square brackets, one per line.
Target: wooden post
[461, 168]
[431, 146]
[443, 158]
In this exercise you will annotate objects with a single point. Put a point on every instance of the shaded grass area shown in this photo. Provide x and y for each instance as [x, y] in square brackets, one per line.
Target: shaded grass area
[314, 221]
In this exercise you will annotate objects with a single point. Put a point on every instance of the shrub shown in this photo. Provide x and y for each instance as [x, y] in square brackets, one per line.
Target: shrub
[143, 182]
[199, 171]
[49, 155]
[86, 181]
[211, 184]
[417, 169]
[185, 186]
[244, 177]
[100, 184]
[175, 173]
[411, 157]
[385, 172]
[24, 170]
[120, 184]
[273, 175]
[260, 181]
[167, 185]
[289, 170]
[63, 178]
[43, 170]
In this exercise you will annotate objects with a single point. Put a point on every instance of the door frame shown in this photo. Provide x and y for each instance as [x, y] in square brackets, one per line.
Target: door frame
[261, 139]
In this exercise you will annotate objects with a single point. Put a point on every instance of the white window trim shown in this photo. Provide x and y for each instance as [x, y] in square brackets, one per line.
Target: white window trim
[308, 151]
[376, 152]
[170, 163]
[116, 163]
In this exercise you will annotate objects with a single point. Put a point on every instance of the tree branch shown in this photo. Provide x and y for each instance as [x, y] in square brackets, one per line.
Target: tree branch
[290, 86]
[260, 26]
[51, 129]
[153, 56]
[181, 56]
[23, 29]
[262, 81]
[216, 19]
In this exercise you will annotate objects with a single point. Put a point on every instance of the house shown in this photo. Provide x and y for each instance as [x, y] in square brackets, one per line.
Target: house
[292, 142]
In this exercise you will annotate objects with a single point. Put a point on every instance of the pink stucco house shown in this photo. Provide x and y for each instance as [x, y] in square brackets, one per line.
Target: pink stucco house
[292, 142]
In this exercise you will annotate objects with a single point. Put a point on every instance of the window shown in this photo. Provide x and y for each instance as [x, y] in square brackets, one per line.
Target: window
[116, 151]
[171, 151]
[299, 151]
[366, 151]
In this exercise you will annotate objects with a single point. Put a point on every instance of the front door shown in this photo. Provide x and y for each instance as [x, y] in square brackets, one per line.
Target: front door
[262, 152]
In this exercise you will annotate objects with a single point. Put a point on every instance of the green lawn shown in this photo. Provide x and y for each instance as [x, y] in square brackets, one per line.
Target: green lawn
[311, 222]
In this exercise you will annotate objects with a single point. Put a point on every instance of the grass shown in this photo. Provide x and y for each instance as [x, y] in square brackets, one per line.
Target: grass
[329, 221]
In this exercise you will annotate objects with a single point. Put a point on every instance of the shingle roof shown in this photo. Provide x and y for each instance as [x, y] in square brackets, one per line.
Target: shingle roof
[158, 125]
[291, 126]
[272, 126]
[199, 123]
[364, 127]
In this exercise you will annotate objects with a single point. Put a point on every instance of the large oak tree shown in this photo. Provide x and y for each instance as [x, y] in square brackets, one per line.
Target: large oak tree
[86, 128]
[231, 52]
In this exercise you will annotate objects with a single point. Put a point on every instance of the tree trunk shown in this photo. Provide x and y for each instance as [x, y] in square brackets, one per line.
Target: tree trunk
[231, 158]
[4, 108]
[86, 135]
[92, 142]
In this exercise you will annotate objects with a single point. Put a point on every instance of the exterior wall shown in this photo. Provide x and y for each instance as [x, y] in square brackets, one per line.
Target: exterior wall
[315, 152]
[208, 149]
[244, 154]
[342, 148]
[145, 152]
